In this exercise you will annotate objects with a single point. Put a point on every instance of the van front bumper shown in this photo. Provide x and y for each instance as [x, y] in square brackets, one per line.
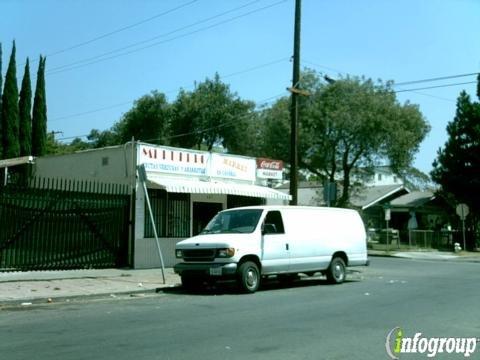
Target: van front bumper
[206, 269]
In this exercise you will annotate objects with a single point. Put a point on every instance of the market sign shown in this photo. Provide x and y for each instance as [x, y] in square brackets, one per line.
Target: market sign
[173, 161]
[232, 167]
[269, 169]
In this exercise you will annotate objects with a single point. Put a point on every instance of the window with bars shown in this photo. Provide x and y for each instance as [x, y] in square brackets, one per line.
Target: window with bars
[178, 215]
[171, 212]
[158, 201]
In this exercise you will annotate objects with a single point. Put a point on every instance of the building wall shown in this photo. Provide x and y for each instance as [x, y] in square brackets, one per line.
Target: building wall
[146, 252]
[111, 165]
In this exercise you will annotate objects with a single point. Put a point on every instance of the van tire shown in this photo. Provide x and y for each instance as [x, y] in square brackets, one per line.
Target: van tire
[248, 277]
[336, 272]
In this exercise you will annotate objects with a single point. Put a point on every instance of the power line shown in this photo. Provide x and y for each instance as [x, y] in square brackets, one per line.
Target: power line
[405, 82]
[229, 123]
[253, 68]
[436, 87]
[90, 111]
[121, 29]
[105, 57]
[434, 79]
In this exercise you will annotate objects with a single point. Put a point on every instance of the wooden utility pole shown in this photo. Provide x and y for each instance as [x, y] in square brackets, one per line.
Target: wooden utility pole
[294, 107]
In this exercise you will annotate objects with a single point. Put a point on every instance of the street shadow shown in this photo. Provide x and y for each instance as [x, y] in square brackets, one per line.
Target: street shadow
[229, 287]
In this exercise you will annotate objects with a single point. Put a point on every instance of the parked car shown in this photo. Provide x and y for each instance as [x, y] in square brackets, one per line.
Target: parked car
[249, 243]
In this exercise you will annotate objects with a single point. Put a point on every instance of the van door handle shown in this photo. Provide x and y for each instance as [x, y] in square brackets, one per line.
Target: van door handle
[287, 247]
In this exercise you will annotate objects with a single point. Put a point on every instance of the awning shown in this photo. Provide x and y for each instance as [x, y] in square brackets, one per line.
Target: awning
[214, 187]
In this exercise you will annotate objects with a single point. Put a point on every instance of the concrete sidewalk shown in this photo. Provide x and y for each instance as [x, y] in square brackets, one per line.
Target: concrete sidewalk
[462, 256]
[34, 287]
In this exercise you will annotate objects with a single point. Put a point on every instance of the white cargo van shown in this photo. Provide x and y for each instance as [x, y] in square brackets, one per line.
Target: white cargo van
[249, 243]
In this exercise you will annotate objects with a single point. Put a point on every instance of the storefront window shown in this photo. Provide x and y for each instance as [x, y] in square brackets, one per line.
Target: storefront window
[171, 212]
[158, 200]
[178, 217]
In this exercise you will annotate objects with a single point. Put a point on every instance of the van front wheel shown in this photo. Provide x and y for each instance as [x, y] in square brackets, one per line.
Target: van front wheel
[336, 271]
[248, 277]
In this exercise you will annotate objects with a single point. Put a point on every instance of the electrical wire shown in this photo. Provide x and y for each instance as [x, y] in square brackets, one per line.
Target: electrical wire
[228, 123]
[434, 79]
[105, 57]
[253, 68]
[76, 46]
[436, 87]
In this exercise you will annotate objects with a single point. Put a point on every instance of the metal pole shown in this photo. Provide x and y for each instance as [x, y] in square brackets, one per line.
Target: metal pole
[388, 247]
[463, 232]
[154, 229]
[294, 107]
[143, 178]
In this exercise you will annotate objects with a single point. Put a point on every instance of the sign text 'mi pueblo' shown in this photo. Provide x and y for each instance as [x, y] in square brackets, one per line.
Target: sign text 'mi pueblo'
[172, 155]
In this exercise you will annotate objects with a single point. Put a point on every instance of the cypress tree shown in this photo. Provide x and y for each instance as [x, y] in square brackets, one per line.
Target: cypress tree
[11, 145]
[25, 113]
[39, 115]
[1, 132]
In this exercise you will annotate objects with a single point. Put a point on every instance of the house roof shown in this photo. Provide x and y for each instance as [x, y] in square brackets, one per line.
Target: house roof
[413, 199]
[362, 198]
[372, 195]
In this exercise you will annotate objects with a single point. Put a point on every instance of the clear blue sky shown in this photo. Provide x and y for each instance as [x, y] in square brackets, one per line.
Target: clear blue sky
[250, 47]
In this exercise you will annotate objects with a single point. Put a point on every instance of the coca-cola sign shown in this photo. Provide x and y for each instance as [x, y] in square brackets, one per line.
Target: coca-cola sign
[269, 164]
[269, 169]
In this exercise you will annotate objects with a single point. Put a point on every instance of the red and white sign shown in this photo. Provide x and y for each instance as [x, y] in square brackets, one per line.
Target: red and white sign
[269, 169]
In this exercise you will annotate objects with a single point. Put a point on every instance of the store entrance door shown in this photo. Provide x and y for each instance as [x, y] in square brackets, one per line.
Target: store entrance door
[203, 212]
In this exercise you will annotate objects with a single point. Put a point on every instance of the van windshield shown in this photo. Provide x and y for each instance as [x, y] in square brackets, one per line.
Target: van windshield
[235, 221]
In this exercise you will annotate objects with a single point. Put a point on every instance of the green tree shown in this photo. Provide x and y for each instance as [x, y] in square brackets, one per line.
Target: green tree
[1, 83]
[39, 114]
[457, 166]
[10, 120]
[25, 108]
[146, 121]
[98, 139]
[212, 115]
[349, 124]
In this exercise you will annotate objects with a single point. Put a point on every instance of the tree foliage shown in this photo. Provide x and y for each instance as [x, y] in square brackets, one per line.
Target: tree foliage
[25, 115]
[146, 121]
[348, 124]
[39, 113]
[10, 119]
[1, 83]
[457, 166]
[211, 115]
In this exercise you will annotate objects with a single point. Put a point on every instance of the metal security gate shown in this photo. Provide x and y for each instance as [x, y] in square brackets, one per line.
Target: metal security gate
[63, 224]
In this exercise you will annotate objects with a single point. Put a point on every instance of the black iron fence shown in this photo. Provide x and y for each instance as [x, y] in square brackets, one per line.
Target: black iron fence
[392, 239]
[63, 224]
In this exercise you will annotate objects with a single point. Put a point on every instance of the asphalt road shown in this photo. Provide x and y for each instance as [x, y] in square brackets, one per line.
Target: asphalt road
[309, 320]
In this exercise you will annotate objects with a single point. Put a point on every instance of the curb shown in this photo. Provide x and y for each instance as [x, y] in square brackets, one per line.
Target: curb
[29, 303]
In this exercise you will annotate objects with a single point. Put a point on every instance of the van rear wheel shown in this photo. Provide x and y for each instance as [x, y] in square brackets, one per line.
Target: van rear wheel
[336, 272]
[248, 277]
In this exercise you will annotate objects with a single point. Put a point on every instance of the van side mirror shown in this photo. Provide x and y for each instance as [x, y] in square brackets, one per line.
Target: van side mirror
[269, 229]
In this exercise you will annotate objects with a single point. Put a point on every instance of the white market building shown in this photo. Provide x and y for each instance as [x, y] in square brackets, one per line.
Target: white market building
[186, 188]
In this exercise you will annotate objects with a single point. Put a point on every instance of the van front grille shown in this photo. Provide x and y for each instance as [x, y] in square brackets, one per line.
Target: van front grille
[199, 255]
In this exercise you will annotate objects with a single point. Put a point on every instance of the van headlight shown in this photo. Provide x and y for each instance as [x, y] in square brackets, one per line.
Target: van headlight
[179, 254]
[225, 253]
